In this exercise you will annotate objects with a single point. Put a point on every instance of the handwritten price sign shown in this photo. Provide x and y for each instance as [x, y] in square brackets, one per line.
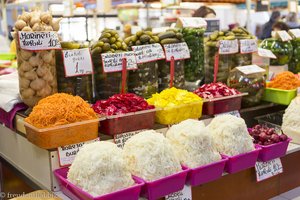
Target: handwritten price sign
[77, 62]
[148, 53]
[185, 194]
[120, 139]
[34, 41]
[179, 51]
[265, 170]
[112, 62]
[248, 46]
[228, 46]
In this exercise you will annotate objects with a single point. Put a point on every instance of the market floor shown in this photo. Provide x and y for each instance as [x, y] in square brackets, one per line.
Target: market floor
[290, 195]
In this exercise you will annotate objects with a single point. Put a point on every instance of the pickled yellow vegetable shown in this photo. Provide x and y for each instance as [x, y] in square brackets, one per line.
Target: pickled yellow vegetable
[176, 105]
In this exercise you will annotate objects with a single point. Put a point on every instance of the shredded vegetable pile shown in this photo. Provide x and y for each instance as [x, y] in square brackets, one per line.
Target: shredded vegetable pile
[285, 81]
[60, 109]
[121, 104]
[173, 97]
[215, 90]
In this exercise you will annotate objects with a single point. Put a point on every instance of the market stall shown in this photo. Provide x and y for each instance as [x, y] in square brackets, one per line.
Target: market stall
[154, 115]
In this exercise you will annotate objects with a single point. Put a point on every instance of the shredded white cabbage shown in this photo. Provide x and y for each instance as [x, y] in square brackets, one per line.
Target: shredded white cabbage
[291, 118]
[230, 135]
[100, 168]
[150, 156]
[192, 143]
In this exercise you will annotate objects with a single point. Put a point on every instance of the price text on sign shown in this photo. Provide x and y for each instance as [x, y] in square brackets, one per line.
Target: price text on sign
[120, 139]
[179, 51]
[148, 53]
[67, 153]
[112, 62]
[228, 46]
[248, 46]
[295, 32]
[250, 69]
[34, 41]
[193, 22]
[284, 36]
[185, 194]
[234, 113]
[265, 170]
[265, 53]
[77, 62]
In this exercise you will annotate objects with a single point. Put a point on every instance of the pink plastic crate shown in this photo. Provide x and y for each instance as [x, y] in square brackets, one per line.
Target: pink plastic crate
[273, 151]
[206, 173]
[222, 104]
[164, 186]
[112, 125]
[75, 193]
[242, 161]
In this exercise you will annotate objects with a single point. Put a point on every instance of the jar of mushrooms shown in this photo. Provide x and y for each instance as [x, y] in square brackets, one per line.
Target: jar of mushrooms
[37, 71]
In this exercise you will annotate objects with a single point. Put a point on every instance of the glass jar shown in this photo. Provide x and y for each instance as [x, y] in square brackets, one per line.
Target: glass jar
[294, 64]
[254, 84]
[194, 67]
[144, 81]
[80, 85]
[282, 50]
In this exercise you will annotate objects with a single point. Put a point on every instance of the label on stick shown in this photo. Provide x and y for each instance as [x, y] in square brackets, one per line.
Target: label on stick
[38, 40]
[148, 53]
[179, 51]
[112, 62]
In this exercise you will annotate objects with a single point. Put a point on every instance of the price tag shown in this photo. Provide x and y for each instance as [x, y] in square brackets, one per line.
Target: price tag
[228, 46]
[265, 53]
[234, 113]
[248, 46]
[185, 194]
[77, 62]
[34, 41]
[295, 32]
[179, 51]
[148, 53]
[283, 35]
[66, 154]
[112, 62]
[265, 170]
[191, 22]
[250, 69]
[120, 139]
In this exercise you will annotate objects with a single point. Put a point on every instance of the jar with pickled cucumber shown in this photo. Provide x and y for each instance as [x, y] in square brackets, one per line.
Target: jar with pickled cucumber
[171, 36]
[194, 67]
[79, 85]
[36, 69]
[282, 50]
[228, 61]
[144, 80]
[107, 84]
[253, 84]
[294, 64]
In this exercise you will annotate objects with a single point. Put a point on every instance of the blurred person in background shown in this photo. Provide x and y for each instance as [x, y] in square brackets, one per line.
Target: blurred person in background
[205, 12]
[267, 27]
[280, 26]
[292, 20]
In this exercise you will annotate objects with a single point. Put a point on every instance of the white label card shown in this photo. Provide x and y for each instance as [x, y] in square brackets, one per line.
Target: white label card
[250, 69]
[34, 41]
[284, 36]
[248, 46]
[234, 113]
[112, 62]
[266, 53]
[148, 53]
[192, 22]
[77, 62]
[179, 51]
[265, 170]
[185, 194]
[120, 139]
[67, 153]
[228, 46]
[295, 32]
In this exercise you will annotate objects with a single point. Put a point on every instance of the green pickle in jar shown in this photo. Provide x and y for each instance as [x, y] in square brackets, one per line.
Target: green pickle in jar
[294, 64]
[79, 85]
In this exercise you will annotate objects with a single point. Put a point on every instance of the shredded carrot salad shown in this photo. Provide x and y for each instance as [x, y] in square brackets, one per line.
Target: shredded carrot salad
[285, 81]
[60, 109]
